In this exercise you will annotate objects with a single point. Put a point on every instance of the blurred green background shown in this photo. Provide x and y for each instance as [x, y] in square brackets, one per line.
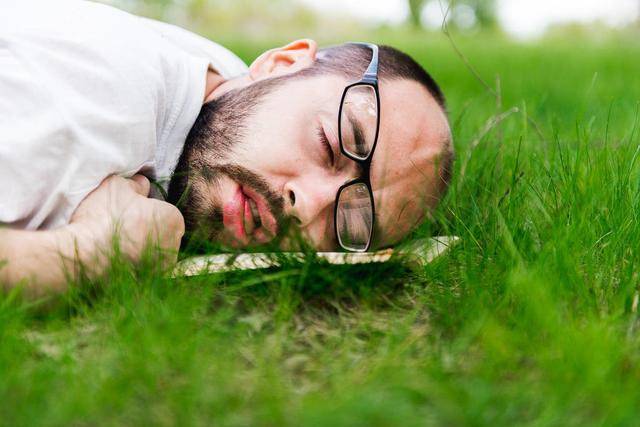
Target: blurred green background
[481, 45]
[283, 19]
[532, 320]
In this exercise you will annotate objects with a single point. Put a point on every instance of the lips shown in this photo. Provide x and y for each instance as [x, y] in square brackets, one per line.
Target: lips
[233, 216]
[252, 219]
[247, 216]
[269, 224]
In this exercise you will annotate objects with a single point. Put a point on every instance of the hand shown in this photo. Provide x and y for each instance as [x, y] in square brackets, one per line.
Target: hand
[120, 208]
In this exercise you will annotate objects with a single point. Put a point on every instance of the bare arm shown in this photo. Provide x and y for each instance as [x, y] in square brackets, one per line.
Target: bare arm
[39, 259]
[44, 260]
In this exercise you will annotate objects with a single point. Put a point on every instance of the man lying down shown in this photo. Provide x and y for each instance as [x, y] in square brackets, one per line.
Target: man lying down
[108, 121]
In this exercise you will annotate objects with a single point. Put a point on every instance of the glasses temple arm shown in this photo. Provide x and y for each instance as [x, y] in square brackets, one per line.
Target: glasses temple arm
[372, 69]
[371, 74]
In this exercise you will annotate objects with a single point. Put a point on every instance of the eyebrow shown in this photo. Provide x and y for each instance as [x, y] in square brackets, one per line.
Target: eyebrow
[376, 235]
[358, 133]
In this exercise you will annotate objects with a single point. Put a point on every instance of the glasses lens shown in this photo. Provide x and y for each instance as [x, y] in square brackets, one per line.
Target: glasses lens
[354, 218]
[359, 120]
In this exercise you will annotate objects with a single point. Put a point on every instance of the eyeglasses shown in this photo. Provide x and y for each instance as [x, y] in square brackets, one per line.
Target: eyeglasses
[358, 126]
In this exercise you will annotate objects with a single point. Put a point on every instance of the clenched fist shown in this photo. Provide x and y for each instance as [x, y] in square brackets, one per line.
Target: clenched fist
[120, 208]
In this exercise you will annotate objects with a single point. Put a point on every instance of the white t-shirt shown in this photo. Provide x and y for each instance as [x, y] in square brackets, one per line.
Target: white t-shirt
[88, 91]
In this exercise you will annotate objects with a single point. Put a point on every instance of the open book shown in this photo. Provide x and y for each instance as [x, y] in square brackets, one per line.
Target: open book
[419, 252]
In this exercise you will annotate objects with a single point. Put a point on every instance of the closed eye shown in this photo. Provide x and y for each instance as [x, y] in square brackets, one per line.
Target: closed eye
[327, 146]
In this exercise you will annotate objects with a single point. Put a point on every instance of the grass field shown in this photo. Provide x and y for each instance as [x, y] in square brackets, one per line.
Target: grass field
[531, 320]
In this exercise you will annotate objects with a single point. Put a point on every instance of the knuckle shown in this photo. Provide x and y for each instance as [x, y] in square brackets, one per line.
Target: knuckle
[170, 217]
[176, 219]
[114, 180]
[144, 182]
[181, 228]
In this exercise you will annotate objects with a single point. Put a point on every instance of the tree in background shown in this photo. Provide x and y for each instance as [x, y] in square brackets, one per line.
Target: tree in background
[243, 19]
[415, 12]
[484, 12]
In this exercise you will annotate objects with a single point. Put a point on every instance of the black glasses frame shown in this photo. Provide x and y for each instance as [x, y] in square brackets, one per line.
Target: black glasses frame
[370, 78]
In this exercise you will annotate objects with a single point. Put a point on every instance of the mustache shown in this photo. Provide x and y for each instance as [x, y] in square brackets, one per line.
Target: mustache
[206, 220]
[245, 177]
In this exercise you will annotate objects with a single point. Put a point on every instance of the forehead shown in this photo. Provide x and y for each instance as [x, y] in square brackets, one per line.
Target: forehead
[413, 130]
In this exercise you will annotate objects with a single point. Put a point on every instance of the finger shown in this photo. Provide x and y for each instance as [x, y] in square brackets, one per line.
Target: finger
[169, 223]
[140, 184]
[171, 217]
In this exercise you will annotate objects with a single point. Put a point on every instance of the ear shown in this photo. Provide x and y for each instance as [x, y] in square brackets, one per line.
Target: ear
[288, 59]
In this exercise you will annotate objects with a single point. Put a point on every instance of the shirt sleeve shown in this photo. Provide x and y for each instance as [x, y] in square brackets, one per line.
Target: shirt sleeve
[221, 60]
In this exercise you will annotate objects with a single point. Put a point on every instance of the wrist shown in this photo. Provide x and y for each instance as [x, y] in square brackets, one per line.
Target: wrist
[44, 261]
[37, 259]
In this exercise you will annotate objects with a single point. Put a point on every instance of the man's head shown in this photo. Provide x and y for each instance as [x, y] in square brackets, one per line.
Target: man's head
[265, 151]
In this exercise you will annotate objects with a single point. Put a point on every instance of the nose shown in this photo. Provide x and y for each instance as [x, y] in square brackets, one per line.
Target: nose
[305, 202]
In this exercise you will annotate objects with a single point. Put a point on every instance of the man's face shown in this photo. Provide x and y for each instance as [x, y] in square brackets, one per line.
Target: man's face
[281, 167]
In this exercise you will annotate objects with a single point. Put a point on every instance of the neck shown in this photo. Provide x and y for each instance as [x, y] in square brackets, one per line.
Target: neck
[214, 80]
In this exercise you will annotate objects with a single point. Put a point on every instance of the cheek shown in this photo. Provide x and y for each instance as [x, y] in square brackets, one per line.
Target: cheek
[320, 235]
[401, 219]
[286, 148]
[274, 161]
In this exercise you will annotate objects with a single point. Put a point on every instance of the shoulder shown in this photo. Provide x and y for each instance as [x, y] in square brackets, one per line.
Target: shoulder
[225, 62]
[80, 28]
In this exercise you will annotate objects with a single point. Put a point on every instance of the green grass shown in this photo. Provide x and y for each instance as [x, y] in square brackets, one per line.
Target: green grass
[531, 320]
